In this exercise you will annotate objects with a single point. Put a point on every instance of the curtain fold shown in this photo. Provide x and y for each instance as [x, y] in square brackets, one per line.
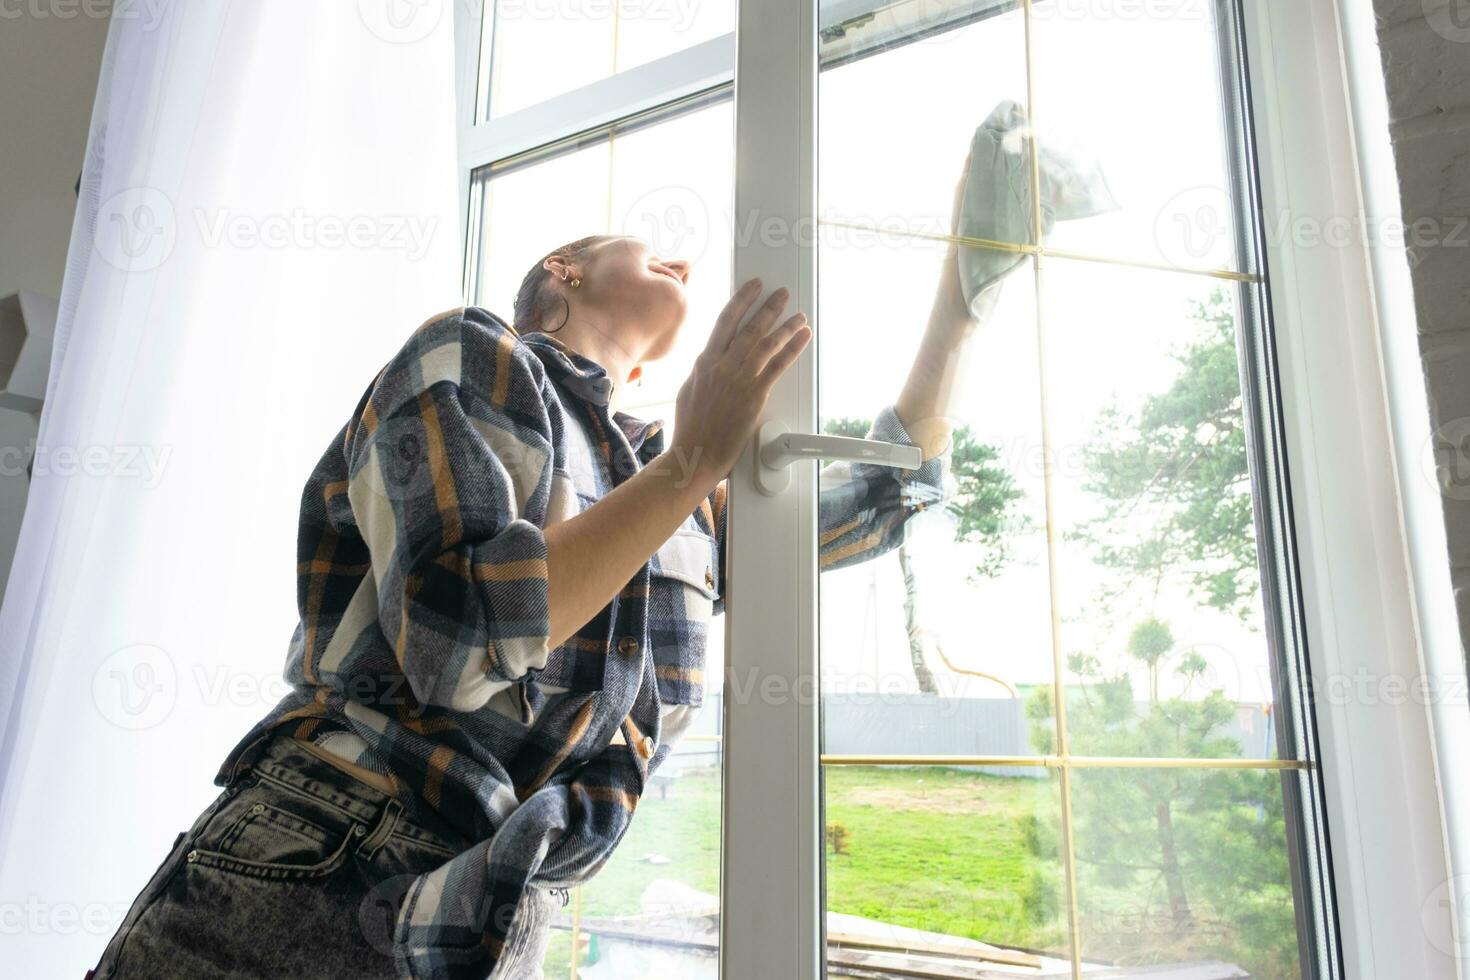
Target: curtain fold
[267, 209]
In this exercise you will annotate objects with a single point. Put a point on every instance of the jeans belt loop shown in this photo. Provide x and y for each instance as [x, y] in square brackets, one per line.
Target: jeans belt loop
[388, 819]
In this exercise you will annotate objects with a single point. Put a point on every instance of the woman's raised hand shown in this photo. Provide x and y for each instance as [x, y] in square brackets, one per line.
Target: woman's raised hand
[720, 403]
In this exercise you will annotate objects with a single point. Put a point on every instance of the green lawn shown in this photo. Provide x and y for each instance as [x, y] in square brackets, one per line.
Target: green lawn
[941, 849]
[936, 849]
[969, 854]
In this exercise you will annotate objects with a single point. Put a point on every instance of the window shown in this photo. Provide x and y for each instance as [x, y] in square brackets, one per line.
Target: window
[1101, 639]
[1065, 725]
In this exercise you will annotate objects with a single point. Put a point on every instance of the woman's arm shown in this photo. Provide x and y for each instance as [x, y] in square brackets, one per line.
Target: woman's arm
[863, 508]
[592, 555]
[925, 402]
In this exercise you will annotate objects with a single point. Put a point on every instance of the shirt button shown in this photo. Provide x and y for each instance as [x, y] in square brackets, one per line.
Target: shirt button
[709, 578]
[628, 645]
[645, 746]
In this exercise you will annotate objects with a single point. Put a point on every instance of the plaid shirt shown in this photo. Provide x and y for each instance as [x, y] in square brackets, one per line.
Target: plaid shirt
[423, 639]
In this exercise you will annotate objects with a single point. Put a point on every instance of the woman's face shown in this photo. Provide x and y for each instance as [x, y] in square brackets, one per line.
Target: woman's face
[622, 275]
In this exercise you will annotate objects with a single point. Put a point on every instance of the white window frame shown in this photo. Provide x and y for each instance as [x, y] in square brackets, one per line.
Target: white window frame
[1384, 809]
[1383, 799]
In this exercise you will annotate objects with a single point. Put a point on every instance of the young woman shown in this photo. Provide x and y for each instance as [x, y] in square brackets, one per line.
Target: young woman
[505, 585]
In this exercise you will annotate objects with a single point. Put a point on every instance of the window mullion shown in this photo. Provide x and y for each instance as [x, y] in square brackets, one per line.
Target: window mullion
[771, 904]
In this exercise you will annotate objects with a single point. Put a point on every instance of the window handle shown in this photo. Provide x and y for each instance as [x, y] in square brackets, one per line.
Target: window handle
[779, 447]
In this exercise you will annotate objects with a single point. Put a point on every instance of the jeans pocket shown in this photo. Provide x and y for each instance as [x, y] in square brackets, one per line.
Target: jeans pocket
[272, 831]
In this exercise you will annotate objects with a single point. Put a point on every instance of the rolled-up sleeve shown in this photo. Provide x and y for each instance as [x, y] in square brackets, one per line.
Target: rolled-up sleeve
[862, 508]
[450, 464]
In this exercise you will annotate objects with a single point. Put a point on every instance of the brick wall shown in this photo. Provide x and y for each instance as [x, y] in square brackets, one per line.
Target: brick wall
[1425, 45]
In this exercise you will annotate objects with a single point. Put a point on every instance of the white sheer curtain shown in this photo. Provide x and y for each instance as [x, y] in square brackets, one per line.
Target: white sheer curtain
[268, 208]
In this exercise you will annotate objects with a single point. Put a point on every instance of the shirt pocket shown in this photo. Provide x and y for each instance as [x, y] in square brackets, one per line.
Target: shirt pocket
[681, 607]
[689, 557]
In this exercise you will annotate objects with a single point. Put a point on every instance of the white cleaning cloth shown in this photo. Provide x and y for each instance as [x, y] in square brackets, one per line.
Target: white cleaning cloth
[996, 202]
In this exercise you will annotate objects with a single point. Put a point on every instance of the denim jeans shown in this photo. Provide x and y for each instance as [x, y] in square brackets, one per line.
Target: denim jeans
[295, 871]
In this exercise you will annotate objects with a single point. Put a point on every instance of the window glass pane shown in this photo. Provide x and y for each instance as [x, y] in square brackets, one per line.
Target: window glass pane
[669, 183]
[1137, 86]
[672, 186]
[1183, 866]
[935, 646]
[939, 868]
[542, 48]
[530, 210]
[895, 125]
[651, 29]
[1100, 531]
[1162, 623]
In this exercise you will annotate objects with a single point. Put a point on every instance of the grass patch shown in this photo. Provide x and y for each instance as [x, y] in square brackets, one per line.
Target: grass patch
[938, 849]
